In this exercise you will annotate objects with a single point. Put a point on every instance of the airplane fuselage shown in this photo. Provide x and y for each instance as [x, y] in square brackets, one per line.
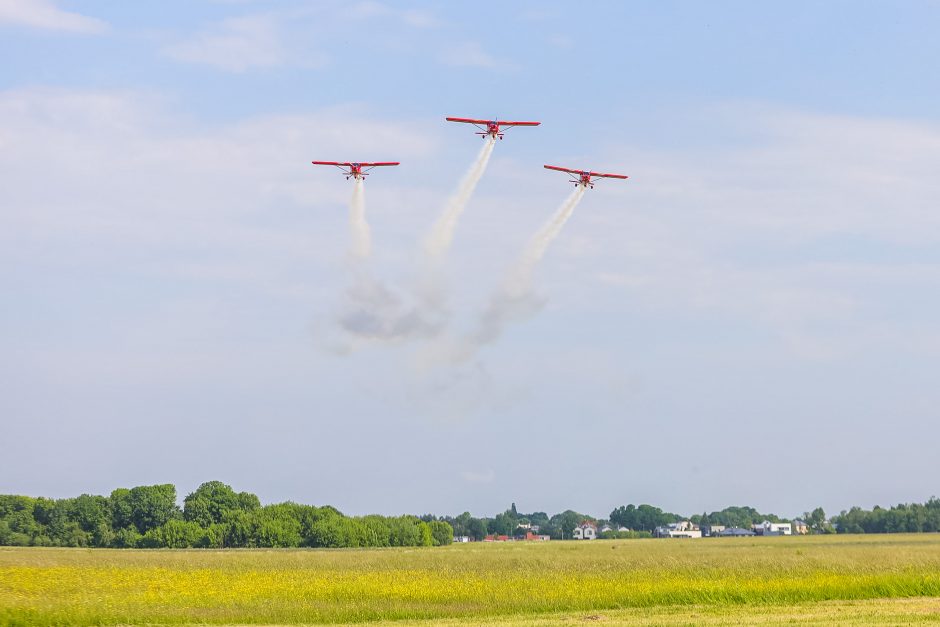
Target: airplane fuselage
[584, 180]
[355, 171]
[492, 130]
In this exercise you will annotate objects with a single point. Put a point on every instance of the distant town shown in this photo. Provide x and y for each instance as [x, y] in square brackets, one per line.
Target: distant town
[589, 530]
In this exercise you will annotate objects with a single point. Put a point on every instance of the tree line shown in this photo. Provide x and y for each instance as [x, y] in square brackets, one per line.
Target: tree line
[213, 516]
[903, 518]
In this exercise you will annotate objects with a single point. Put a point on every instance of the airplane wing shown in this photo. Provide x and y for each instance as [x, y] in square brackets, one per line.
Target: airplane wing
[345, 163]
[568, 170]
[379, 163]
[601, 175]
[467, 120]
[506, 123]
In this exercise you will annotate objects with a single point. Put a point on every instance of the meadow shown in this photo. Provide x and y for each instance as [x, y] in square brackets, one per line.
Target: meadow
[883, 578]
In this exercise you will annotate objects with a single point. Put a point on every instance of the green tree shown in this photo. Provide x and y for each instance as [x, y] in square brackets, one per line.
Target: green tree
[121, 509]
[503, 524]
[213, 538]
[624, 516]
[103, 536]
[817, 521]
[425, 537]
[209, 503]
[567, 521]
[375, 531]
[126, 538]
[238, 528]
[276, 526]
[476, 529]
[152, 506]
[10, 503]
[405, 531]
[22, 521]
[335, 531]
[90, 511]
[441, 532]
[181, 534]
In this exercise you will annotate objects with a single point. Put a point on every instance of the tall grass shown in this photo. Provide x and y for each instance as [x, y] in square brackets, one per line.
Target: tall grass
[106, 587]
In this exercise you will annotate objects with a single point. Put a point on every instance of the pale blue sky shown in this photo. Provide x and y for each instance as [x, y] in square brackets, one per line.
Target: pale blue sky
[750, 319]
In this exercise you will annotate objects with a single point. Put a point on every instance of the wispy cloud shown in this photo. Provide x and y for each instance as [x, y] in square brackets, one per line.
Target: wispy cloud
[45, 15]
[419, 19]
[411, 17]
[240, 44]
[472, 54]
[368, 9]
[751, 231]
[296, 37]
[102, 148]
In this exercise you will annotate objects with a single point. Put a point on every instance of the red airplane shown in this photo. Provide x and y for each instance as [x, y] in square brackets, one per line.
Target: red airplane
[491, 127]
[584, 176]
[355, 170]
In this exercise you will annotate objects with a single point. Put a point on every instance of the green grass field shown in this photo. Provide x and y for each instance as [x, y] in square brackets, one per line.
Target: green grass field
[805, 580]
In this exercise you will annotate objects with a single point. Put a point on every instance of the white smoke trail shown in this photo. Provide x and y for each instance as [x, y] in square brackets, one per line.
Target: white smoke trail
[432, 291]
[373, 312]
[516, 297]
[361, 242]
[442, 233]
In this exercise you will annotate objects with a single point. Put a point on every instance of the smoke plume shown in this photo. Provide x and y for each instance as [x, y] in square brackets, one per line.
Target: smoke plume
[373, 312]
[516, 297]
[361, 243]
[432, 291]
[442, 233]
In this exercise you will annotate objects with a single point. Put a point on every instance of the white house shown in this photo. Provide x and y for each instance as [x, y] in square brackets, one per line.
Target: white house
[461, 539]
[585, 531]
[768, 528]
[682, 529]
